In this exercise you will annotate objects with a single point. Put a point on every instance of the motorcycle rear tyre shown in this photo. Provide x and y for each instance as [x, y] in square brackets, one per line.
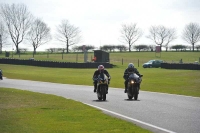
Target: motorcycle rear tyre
[130, 93]
[104, 93]
[136, 94]
[130, 97]
[104, 97]
[136, 97]
[99, 98]
[99, 95]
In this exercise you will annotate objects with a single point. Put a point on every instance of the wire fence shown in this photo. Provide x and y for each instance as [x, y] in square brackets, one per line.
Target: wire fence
[120, 59]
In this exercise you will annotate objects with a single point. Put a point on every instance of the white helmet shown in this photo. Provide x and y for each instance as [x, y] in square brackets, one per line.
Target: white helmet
[130, 66]
[100, 67]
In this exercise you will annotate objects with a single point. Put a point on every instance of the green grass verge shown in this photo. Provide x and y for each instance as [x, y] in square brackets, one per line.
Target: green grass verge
[115, 57]
[183, 82]
[22, 111]
[29, 112]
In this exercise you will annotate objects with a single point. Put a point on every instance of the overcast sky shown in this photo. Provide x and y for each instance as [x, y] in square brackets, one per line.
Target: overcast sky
[100, 20]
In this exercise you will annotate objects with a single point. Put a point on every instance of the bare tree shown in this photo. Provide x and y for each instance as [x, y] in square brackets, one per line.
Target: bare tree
[161, 35]
[191, 33]
[68, 34]
[39, 34]
[17, 19]
[171, 36]
[3, 36]
[130, 34]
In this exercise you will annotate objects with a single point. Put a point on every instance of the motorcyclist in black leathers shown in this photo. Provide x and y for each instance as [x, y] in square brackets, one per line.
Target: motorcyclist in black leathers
[1, 74]
[130, 69]
[97, 72]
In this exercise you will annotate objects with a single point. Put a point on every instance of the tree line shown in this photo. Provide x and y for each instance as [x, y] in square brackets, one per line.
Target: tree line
[18, 24]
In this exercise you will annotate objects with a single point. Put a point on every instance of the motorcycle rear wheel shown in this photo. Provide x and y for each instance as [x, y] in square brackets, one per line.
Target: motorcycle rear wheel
[130, 92]
[130, 97]
[104, 93]
[136, 94]
[104, 97]
[136, 97]
[99, 96]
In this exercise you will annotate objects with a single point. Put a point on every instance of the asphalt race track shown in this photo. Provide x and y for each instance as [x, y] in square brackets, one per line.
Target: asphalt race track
[157, 112]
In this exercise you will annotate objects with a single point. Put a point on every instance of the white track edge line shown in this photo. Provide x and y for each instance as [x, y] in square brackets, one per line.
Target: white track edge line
[150, 125]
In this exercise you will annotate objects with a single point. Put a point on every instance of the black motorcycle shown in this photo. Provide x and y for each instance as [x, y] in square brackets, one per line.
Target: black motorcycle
[102, 86]
[133, 85]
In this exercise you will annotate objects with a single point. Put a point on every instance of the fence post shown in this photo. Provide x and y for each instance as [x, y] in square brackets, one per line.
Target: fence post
[138, 63]
[76, 57]
[122, 61]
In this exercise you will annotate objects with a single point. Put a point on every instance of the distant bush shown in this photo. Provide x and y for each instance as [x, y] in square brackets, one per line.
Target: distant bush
[141, 47]
[179, 47]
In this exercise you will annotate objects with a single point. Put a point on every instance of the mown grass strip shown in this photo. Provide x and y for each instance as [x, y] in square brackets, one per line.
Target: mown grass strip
[183, 82]
[30, 112]
[115, 57]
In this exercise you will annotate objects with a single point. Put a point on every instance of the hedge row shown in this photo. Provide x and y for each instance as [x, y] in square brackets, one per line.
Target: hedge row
[32, 62]
[187, 66]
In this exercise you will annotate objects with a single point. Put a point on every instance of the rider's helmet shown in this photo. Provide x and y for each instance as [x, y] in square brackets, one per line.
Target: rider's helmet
[100, 67]
[131, 67]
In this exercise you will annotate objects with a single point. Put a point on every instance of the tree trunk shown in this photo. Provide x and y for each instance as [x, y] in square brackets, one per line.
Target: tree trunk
[67, 47]
[17, 49]
[0, 44]
[193, 47]
[34, 52]
[160, 48]
[129, 47]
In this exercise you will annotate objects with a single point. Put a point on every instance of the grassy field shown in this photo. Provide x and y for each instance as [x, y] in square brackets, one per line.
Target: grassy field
[16, 108]
[183, 82]
[115, 57]
[29, 112]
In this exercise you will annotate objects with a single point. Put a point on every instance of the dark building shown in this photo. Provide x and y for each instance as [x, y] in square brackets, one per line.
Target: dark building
[101, 56]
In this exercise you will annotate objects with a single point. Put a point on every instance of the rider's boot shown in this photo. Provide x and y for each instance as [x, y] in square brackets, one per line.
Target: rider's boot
[125, 88]
[107, 90]
[95, 88]
[139, 89]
